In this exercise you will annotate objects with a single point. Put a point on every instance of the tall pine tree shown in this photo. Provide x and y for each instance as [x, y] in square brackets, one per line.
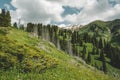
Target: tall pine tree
[89, 58]
[5, 18]
[84, 52]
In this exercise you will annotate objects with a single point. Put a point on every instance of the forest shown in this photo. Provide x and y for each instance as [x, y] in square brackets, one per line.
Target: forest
[97, 43]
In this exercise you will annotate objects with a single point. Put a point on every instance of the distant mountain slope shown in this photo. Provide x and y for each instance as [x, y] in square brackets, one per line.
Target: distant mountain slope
[109, 34]
[109, 30]
[24, 57]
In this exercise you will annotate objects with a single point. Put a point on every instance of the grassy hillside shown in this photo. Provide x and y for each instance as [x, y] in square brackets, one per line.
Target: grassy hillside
[24, 57]
[110, 33]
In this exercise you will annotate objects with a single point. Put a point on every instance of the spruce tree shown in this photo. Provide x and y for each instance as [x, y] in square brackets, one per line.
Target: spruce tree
[100, 43]
[104, 67]
[101, 55]
[39, 30]
[8, 19]
[84, 52]
[98, 51]
[89, 58]
[5, 18]
[2, 18]
[15, 25]
[93, 50]
[29, 27]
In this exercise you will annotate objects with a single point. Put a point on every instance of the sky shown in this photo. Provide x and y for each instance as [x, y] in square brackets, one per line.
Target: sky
[62, 12]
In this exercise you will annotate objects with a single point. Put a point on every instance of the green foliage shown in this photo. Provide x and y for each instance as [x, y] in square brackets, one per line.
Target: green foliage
[98, 36]
[25, 57]
[84, 52]
[15, 25]
[4, 31]
[5, 18]
[89, 58]
[6, 61]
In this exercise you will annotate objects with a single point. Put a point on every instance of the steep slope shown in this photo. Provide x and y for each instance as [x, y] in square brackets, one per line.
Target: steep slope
[115, 31]
[24, 57]
[109, 30]
[109, 34]
[98, 29]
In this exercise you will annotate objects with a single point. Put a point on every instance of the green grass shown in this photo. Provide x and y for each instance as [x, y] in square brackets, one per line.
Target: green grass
[24, 57]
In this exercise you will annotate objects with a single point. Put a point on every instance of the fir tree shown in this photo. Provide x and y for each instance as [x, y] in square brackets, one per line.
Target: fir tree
[5, 18]
[84, 52]
[104, 67]
[100, 43]
[2, 18]
[101, 55]
[93, 50]
[15, 25]
[8, 19]
[89, 58]
[98, 51]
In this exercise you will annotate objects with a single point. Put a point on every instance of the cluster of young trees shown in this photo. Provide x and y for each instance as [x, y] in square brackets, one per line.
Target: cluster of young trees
[99, 46]
[5, 18]
[113, 53]
[46, 32]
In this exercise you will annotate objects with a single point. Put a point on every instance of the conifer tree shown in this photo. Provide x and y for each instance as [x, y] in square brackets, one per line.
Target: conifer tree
[93, 50]
[98, 51]
[104, 67]
[8, 19]
[39, 30]
[2, 18]
[89, 58]
[5, 18]
[84, 52]
[100, 43]
[15, 25]
[102, 55]
[29, 27]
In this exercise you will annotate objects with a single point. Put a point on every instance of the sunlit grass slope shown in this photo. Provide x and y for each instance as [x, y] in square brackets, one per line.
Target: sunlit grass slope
[24, 57]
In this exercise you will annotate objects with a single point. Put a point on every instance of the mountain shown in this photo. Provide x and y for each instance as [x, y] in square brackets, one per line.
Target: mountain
[106, 34]
[109, 30]
[72, 27]
[23, 57]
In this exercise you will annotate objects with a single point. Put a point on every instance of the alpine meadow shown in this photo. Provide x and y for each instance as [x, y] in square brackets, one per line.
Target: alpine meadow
[60, 40]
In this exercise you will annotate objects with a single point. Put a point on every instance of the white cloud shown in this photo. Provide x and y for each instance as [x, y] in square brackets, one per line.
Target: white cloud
[37, 11]
[0, 11]
[46, 11]
[62, 25]
[71, 18]
[71, 3]
[95, 10]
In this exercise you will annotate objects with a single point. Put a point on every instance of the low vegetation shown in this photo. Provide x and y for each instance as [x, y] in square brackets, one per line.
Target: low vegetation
[25, 57]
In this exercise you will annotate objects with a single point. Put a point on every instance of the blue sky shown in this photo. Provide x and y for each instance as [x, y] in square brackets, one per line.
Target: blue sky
[4, 2]
[62, 12]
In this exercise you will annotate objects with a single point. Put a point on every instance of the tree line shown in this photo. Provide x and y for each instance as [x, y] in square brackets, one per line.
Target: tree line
[71, 42]
[5, 18]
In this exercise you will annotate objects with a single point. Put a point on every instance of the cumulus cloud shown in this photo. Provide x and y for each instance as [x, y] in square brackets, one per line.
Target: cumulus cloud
[71, 3]
[46, 11]
[36, 11]
[0, 10]
[62, 25]
[95, 10]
